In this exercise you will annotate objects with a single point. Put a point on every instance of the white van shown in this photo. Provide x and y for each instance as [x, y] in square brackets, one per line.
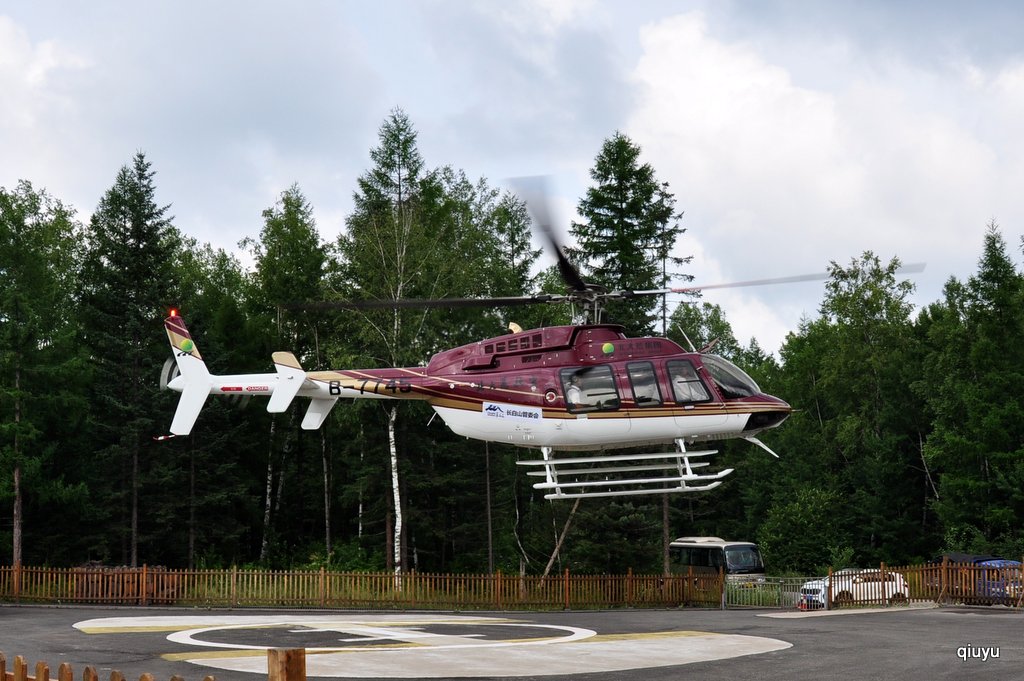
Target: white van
[741, 560]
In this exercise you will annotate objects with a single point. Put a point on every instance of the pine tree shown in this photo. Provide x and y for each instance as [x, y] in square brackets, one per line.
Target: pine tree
[39, 362]
[212, 508]
[974, 390]
[128, 284]
[630, 228]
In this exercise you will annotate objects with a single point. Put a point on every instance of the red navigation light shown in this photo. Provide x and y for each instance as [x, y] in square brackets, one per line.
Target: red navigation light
[174, 312]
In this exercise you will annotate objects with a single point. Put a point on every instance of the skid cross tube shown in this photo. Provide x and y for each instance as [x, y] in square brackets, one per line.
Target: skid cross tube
[623, 474]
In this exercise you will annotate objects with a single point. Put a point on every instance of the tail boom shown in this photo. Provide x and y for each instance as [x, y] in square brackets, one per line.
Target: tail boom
[323, 388]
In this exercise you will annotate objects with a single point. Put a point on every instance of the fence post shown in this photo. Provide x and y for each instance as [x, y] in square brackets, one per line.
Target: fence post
[883, 583]
[629, 588]
[828, 591]
[1020, 584]
[323, 587]
[721, 586]
[144, 587]
[565, 589]
[497, 589]
[688, 587]
[286, 664]
[17, 582]
[234, 586]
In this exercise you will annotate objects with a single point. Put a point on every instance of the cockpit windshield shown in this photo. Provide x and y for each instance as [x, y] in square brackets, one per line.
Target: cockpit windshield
[732, 381]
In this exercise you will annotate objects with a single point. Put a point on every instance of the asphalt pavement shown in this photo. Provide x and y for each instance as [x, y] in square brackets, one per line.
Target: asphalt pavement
[624, 645]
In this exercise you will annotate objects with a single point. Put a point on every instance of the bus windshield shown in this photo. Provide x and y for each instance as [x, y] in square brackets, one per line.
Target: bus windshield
[743, 559]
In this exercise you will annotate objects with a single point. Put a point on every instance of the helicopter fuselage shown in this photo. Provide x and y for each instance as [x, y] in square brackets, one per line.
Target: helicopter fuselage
[556, 388]
[573, 388]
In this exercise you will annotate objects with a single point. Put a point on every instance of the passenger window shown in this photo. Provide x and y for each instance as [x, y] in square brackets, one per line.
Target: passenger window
[590, 389]
[686, 385]
[644, 383]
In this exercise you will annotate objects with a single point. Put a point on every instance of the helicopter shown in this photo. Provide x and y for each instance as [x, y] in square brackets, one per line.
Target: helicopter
[561, 389]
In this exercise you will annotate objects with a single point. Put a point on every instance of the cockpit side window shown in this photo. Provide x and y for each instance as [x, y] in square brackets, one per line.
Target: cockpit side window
[644, 383]
[590, 389]
[686, 384]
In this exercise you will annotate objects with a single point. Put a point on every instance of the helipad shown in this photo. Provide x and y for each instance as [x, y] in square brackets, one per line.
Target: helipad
[426, 646]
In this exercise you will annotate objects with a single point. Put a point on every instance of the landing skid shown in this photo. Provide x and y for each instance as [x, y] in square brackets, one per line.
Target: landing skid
[623, 474]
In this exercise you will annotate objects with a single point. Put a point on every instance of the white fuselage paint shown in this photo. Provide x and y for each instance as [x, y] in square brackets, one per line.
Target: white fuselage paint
[586, 432]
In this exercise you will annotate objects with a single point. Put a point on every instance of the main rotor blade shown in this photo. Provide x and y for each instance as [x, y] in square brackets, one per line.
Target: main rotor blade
[912, 268]
[507, 301]
[534, 192]
[817, 276]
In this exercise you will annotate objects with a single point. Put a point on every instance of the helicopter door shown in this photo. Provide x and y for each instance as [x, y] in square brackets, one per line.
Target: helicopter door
[695, 399]
[590, 394]
[590, 389]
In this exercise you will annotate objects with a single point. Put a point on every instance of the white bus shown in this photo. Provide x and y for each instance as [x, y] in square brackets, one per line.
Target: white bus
[740, 560]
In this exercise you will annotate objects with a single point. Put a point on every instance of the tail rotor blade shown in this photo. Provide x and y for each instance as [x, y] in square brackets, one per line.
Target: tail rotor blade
[168, 372]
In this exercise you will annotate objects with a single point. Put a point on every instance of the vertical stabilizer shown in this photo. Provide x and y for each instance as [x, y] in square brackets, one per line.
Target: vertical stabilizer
[194, 375]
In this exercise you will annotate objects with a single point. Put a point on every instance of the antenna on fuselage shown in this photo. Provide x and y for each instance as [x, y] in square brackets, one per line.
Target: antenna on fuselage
[688, 341]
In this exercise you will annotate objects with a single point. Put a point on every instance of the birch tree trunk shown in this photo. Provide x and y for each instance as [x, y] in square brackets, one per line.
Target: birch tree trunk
[16, 530]
[327, 492]
[269, 497]
[396, 495]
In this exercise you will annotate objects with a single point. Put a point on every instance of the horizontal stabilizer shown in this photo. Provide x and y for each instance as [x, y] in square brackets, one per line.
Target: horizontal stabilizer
[191, 402]
[290, 378]
[319, 408]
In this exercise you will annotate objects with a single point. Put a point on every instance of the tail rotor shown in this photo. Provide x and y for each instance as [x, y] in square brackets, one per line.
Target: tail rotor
[168, 372]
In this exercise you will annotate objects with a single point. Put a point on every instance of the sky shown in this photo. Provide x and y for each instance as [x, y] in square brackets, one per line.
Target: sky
[792, 133]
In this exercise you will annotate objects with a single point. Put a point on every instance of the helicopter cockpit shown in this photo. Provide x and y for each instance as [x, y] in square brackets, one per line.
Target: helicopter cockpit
[731, 381]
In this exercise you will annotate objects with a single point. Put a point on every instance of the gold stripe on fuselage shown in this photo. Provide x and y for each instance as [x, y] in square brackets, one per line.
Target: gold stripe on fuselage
[441, 396]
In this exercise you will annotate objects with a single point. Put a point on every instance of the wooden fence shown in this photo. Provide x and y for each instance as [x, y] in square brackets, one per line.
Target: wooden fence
[282, 665]
[323, 589]
[946, 583]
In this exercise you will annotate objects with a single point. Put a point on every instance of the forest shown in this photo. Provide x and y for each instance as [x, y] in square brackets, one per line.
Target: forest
[907, 437]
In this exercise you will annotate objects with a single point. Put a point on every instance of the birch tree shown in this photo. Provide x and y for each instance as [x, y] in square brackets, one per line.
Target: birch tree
[290, 260]
[383, 254]
[419, 233]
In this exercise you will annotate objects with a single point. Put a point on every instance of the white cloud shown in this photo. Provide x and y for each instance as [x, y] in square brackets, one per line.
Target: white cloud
[778, 178]
[792, 135]
[38, 110]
